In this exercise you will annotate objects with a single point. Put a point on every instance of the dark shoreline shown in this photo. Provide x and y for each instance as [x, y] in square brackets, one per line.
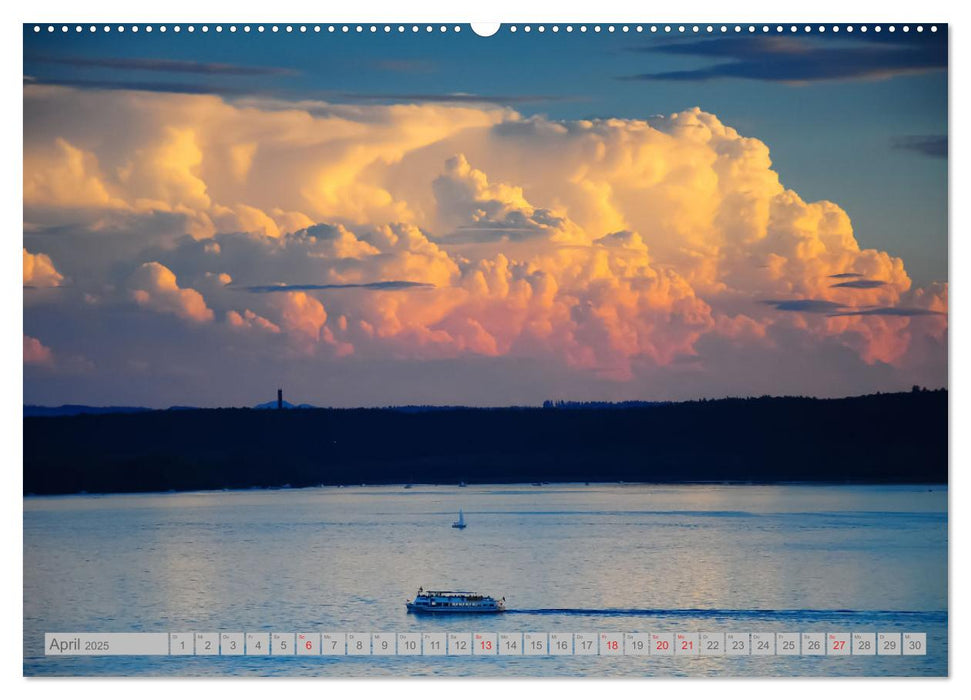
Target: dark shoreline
[932, 486]
[878, 439]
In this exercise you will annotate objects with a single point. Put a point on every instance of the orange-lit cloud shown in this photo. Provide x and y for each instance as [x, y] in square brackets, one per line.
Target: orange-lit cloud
[39, 271]
[36, 353]
[596, 244]
[248, 319]
[155, 287]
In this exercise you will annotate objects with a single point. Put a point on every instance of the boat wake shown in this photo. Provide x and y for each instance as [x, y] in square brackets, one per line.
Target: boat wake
[759, 614]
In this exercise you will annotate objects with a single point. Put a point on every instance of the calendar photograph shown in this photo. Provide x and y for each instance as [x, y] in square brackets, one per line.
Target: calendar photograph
[523, 350]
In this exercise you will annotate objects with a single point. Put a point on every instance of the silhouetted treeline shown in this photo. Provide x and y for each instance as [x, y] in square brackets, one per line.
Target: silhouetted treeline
[602, 404]
[877, 439]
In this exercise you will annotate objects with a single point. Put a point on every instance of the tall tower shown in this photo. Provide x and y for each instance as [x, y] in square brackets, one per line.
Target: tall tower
[279, 399]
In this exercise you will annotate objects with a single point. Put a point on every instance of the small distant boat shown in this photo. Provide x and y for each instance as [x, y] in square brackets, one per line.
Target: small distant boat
[407, 486]
[454, 602]
[462, 484]
[460, 523]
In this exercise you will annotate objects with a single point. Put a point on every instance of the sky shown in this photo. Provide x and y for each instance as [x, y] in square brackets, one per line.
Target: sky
[440, 218]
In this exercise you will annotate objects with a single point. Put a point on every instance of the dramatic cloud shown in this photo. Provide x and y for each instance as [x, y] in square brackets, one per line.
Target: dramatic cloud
[609, 249]
[39, 271]
[154, 287]
[792, 59]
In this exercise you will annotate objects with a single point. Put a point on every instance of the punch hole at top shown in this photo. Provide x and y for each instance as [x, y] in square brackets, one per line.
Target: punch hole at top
[485, 28]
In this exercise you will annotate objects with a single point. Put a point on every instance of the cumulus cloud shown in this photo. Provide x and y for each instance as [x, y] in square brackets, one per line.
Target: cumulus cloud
[154, 286]
[36, 353]
[59, 175]
[39, 271]
[608, 247]
[250, 320]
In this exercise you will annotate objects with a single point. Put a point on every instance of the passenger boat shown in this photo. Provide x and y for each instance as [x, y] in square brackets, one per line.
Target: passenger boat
[460, 523]
[454, 602]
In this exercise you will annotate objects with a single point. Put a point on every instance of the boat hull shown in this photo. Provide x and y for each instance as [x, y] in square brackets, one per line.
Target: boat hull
[448, 610]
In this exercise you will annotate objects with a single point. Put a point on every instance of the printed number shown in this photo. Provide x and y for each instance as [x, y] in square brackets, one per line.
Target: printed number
[309, 645]
[283, 644]
[913, 645]
[460, 644]
[762, 646]
[536, 644]
[612, 645]
[182, 645]
[838, 644]
[486, 644]
[510, 644]
[586, 644]
[712, 645]
[434, 644]
[813, 645]
[662, 645]
[561, 645]
[208, 645]
[259, 645]
[865, 644]
[384, 646]
[788, 645]
[738, 645]
[359, 645]
[410, 645]
[333, 644]
[637, 644]
[889, 644]
[232, 645]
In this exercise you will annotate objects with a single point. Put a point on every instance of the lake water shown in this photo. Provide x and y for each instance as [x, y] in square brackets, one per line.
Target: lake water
[605, 557]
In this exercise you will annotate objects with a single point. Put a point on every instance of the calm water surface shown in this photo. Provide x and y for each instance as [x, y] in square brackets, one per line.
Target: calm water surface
[606, 557]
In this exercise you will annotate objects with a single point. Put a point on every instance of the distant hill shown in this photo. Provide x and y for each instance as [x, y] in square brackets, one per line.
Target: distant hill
[882, 438]
[286, 404]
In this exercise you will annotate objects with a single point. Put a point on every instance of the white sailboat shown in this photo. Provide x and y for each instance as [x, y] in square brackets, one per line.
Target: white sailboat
[460, 523]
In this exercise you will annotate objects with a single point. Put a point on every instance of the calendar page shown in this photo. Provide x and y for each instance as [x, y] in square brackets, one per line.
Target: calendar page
[513, 350]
